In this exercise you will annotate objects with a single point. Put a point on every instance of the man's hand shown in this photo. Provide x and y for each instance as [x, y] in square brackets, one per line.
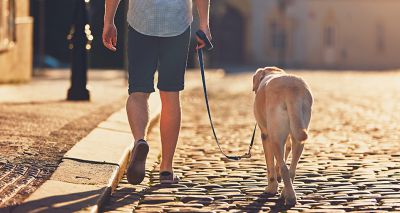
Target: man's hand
[110, 37]
[203, 7]
[201, 43]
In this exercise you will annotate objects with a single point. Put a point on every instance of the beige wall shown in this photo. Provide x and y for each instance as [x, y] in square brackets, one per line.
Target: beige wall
[358, 25]
[16, 63]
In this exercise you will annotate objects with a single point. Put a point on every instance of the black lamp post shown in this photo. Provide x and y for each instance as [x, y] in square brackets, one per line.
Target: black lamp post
[80, 42]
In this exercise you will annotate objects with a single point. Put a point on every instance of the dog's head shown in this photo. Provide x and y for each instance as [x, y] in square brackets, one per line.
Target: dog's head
[261, 73]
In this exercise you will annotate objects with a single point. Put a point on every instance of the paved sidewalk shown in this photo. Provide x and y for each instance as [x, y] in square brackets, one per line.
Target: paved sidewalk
[37, 126]
[351, 161]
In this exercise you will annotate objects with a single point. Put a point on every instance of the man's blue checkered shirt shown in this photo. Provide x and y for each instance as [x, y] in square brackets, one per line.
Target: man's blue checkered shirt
[163, 18]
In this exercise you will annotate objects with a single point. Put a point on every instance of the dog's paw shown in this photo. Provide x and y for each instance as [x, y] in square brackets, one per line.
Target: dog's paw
[272, 189]
[290, 198]
[290, 201]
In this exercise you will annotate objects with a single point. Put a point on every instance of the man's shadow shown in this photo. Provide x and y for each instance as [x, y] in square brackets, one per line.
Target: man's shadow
[82, 200]
[255, 206]
[60, 203]
[132, 196]
[258, 204]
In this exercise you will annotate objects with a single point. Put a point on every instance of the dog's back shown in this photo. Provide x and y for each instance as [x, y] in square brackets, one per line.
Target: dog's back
[287, 95]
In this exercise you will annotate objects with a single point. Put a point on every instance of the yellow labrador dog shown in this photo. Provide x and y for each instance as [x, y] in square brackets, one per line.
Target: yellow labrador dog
[282, 107]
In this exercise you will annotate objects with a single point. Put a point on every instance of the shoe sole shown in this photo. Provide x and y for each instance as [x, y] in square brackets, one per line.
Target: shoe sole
[169, 181]
[136, 169]
[175, 180]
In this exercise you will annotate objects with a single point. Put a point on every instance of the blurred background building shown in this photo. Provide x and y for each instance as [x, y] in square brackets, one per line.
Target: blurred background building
[319, 34]
[15, 41]
[316, 34]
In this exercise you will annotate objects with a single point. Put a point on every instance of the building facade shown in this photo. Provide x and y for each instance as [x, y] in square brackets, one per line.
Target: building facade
[15, 41]
[333, 34]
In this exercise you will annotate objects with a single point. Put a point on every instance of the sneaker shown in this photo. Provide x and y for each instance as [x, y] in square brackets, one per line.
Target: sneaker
[136, 169]
[168, 178]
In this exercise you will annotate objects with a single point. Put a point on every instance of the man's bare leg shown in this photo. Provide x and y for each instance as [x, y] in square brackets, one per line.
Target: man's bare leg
[170, 125]
[137, 109]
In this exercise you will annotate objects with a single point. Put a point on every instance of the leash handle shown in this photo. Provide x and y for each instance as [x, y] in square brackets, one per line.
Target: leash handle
[209, 46]
[204, 38]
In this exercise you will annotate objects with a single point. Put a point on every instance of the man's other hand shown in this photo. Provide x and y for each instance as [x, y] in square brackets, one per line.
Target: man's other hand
[110, 37]
[201, 43]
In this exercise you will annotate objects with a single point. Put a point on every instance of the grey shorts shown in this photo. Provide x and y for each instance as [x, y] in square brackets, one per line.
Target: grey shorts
[146, 54]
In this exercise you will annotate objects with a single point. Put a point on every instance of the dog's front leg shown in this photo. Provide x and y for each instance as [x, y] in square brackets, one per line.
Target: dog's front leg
[272, 187]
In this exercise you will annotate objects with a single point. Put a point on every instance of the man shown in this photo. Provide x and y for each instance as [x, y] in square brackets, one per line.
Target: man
[158, 38]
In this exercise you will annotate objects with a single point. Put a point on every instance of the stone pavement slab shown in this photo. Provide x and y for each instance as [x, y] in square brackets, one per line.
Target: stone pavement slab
[101, 145]
[350, 162]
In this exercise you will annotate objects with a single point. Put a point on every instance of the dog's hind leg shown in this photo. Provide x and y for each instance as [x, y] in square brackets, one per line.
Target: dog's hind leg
[288, 192]
[297, 149]
[278, 135]
[288, 148]
[298, 146]
[272, 187]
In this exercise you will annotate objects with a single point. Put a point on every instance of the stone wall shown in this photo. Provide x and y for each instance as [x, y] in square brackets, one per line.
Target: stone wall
[364, 33]
[16, 62]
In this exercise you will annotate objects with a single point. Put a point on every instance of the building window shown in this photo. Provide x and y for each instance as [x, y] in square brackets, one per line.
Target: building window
[7, 24]
[329, 36]
[380, 38]
[278, 36]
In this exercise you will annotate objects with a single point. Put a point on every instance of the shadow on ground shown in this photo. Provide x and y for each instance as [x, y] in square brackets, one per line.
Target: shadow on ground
[61, 203]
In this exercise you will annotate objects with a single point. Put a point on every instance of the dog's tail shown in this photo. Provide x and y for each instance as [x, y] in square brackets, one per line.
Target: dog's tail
[297, 127]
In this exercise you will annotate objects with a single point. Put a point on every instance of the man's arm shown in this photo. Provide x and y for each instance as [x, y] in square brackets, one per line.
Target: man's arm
[203, 8]
[109, 30]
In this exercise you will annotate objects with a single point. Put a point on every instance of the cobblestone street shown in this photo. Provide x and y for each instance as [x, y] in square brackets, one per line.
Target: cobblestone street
[351, 160]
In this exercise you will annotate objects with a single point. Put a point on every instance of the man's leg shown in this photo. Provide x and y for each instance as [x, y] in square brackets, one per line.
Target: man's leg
[137, 109]
[173, 53]
[170, 125]
[143, 59]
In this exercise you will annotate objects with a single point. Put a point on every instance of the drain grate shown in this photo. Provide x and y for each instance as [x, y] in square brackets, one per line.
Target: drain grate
[14, 179]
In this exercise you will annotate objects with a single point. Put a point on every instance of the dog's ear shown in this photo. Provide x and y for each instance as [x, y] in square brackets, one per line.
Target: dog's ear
[274, 69]
[257, 77]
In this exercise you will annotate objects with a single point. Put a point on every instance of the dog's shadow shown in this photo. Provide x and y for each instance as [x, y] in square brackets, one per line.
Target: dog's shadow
[258, 204]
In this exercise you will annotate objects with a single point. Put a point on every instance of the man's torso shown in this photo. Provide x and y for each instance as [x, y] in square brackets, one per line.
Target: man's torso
[162, 18]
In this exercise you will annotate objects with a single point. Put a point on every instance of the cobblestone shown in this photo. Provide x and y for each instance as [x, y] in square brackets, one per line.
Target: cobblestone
[350, 163]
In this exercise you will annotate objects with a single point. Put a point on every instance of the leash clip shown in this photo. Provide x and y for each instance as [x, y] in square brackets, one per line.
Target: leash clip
[237, 158]
[247, 155]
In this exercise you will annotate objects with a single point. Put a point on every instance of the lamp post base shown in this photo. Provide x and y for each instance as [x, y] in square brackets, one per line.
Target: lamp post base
[78, 94]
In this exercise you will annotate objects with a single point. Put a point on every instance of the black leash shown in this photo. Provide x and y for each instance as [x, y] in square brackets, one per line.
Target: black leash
[209, 46]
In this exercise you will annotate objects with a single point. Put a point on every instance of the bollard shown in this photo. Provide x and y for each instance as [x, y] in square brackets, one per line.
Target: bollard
[80, 40]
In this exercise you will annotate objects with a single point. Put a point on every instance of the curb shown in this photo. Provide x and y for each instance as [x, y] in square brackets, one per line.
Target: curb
[91, 170]
[119, 173]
